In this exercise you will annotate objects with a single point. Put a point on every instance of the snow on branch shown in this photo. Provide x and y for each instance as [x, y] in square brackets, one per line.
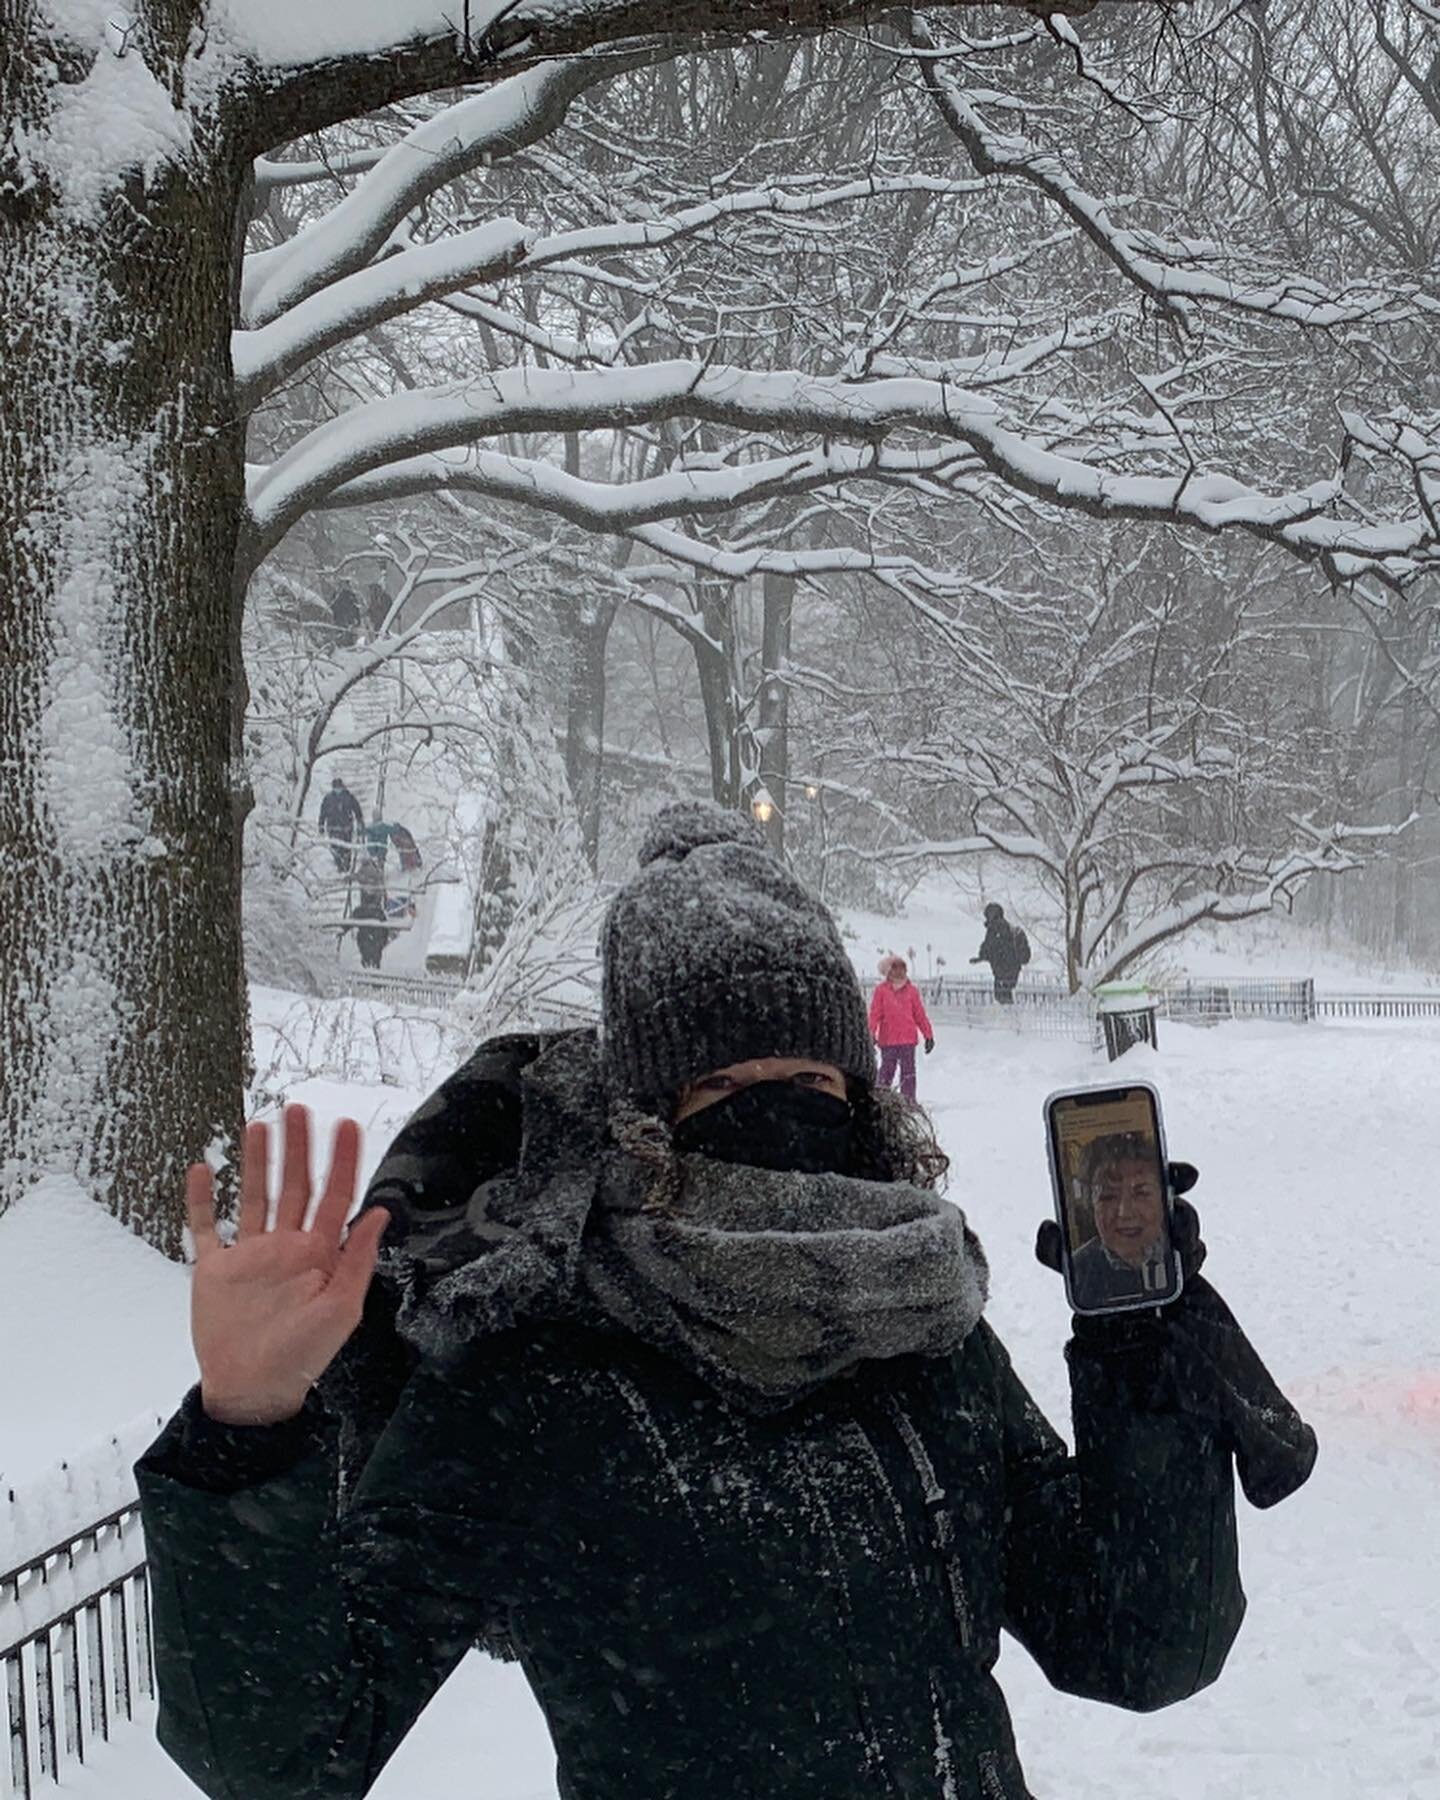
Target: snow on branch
[1261, 882]
[271, 175]
[267, 356]
[417, 46]
[1169, 271]
[448, 418]
[620, 506]
[495, 122]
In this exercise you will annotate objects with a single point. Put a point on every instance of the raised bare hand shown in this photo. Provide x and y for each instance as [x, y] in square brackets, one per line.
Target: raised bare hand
[270, 1312]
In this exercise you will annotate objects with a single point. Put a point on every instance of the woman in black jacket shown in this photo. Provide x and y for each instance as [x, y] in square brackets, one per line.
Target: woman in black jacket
[692, 1409]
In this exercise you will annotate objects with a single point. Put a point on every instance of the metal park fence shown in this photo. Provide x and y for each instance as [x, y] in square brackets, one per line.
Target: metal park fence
[1378, 1006]
[1247, 997]
[1040, 1006]
[434, 992]
[75, 1649]
[1045, 1007]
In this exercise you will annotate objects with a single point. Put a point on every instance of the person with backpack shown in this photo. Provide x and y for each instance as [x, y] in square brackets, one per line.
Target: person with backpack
[676, 1385]
[898, 1021]
[1007, 950]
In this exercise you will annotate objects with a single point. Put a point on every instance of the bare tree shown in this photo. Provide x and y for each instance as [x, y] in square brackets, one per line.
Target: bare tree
[128, 523]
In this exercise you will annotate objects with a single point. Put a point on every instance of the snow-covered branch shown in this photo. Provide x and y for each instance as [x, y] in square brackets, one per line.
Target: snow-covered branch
[1309, 523]
[266, 354]
[1175, 273]
[498, 121]
[1256, 883]
[270, 354]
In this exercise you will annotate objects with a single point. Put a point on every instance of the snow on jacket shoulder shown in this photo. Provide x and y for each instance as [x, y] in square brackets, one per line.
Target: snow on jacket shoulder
[898, 1016]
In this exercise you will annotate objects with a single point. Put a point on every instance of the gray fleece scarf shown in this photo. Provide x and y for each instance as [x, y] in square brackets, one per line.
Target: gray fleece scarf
[770, 1283]
[766, 1284]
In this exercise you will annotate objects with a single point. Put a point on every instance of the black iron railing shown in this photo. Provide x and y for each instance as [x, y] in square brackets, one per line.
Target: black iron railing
[76, 1654]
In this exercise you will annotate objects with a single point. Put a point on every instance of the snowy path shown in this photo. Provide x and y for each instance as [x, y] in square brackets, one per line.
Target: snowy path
[1318, 1148]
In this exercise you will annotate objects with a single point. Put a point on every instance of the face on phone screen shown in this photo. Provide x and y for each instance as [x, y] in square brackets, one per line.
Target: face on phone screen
[1110, 1170]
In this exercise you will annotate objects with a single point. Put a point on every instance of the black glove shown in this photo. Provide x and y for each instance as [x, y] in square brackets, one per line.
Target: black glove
[929, 1045]
[1190, 1356]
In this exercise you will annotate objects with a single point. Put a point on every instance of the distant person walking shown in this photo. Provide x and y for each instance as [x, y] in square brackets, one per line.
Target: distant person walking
[345, 612]
[377, 838]
[371, 939]
[1007, 950]
[898, 1021]
[342, 821]
[403, 839]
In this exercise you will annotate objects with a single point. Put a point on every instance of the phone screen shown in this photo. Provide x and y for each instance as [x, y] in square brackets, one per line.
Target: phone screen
[1107, 1155]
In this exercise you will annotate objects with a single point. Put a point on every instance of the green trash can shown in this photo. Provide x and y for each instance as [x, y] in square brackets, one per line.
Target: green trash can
[1127, 1016]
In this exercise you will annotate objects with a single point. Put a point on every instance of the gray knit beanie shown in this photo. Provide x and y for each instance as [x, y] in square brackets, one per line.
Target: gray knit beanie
[714, 954]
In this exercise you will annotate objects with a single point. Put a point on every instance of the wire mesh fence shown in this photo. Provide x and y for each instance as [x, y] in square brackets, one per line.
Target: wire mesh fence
[1045, 1006]
[76, 1654]
[1243, 997]
[1042, 1008]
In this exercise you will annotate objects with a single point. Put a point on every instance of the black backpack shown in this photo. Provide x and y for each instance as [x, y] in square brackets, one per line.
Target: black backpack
[1022, 946]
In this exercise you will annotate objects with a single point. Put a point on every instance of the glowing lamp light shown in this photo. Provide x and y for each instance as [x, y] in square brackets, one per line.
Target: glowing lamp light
[811, 791]
[763, 807]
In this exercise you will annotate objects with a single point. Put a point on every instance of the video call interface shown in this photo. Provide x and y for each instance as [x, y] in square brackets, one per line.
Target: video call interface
[1111, 1170]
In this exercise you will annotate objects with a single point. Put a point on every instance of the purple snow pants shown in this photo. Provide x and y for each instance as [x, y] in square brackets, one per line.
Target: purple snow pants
[899, 1057]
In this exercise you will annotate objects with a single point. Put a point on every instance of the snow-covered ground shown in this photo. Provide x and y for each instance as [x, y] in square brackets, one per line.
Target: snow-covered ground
[1317, 1147]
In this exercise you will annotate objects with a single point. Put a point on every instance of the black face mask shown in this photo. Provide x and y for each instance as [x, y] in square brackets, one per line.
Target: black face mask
[773, 1125]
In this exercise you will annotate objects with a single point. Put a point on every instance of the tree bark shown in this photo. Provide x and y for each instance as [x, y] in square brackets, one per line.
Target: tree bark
[774, 708]
[585, 719]
[122, 1014]
[718, 677]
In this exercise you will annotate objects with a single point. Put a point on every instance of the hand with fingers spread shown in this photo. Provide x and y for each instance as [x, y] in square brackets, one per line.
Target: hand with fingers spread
[270, 1312]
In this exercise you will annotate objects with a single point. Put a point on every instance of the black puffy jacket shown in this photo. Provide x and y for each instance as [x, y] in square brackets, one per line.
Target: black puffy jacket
[804, 1606]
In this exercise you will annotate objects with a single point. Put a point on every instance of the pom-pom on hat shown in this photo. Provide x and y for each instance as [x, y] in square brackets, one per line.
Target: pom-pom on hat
[714, 954]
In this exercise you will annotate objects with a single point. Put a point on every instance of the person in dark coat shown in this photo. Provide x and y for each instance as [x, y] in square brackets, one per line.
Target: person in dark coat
[371, 940]
[675, 1384]
[345, 612]
[1002, 950]
[342, 821]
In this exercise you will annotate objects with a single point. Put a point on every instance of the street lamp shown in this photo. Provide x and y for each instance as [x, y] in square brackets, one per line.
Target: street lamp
[762, 806]
[811, 791]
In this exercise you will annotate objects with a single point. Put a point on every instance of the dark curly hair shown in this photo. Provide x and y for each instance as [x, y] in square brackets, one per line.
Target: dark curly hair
[894, 1140]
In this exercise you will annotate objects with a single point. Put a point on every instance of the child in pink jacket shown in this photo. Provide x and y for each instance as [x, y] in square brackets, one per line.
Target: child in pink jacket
[897, 1021]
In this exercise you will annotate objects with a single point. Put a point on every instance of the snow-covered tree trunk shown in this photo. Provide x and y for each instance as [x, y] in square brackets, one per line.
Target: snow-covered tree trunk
[121, 1002]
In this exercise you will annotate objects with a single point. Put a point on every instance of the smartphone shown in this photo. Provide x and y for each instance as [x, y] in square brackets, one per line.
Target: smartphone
[1112, 1198]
